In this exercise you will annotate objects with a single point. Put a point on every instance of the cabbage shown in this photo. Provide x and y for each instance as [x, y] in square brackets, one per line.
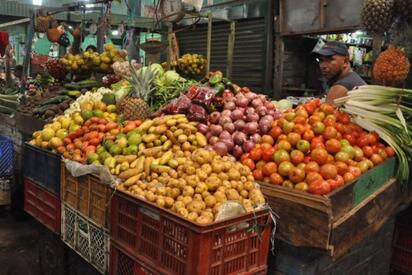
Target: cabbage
[282, 105]
[122, 92]
[171, 76]
[158, 69]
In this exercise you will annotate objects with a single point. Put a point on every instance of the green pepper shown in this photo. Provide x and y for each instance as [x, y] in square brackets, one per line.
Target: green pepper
[220, 87]
[215, 79]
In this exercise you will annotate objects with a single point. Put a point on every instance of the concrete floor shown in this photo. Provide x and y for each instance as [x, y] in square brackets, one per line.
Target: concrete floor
[28, 248]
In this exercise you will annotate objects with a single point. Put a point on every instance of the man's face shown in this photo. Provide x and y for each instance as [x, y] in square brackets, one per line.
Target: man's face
[332, 66]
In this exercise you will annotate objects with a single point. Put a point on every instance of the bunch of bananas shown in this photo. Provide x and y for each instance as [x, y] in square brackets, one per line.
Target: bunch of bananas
[192, 64]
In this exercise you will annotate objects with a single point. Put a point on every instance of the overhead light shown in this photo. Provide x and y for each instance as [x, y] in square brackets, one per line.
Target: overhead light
[115, 32]
[359, 32]
[70, 27]
[38, 2]
[88, 6]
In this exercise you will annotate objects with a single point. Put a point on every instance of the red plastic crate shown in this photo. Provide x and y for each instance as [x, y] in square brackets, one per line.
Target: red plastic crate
[402, 245]
[169, 244]
[43, 205]
[121, 263]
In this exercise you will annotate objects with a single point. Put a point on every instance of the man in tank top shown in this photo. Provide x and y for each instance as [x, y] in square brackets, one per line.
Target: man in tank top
[335, 67]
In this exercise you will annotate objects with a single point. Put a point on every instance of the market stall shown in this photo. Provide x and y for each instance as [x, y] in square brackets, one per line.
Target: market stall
[175, 168]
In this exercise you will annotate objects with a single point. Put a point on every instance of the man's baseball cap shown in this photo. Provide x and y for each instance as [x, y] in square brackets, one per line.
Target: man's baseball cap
[331, 48]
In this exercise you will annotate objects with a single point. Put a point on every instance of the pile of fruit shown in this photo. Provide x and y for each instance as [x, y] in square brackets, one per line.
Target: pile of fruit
[192, 64]
[315, 148]
[92, 61]
[56, 69]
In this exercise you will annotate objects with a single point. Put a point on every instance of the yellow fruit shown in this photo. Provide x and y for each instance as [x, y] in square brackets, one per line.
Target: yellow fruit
[96, 60]
[74, 66]
[38, 141]
[44, 145]
[47, 134]
[61, 133]
[78, 120]
[105, 59]
[55, 142]
[70, 56]
[65, 122]
[111, 108]
[108, 47]
[36, 134]
[87, 106]
[56, 126]
[104, 67]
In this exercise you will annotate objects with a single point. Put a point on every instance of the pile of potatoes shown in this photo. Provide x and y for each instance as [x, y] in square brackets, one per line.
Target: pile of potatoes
[195, 185]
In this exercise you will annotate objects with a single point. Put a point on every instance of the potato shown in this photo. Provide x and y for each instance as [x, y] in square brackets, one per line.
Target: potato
[201, 174]
[234, 174]
[173, 174]
[207, 168]
[153, 190]
[179, 153]
[220, 196]
[240, 186]
[226, 166]
[182, 183]
[196, 206]
[160, 201]
[182, 138]
[226, 184]
[207, 214]
[186, 146]
[222, 189]
[201, 187]
[244, 193]
[243, 179]
[183, 212]
[208, 209]
[178, 204]
[187, 199]
[150, 196]
[188, 191]
[198, 197]
[217, 166]
[169, 202]
[248, 204]
[223, 176]
[205, 194]
[192, 216]
[250, 178]
[232, 194]
[249, 186]
[181, 173]
[129, 173]
[257, 197]
[213, 182]
[204, 220]
[180, 198]
[234, 184]
[143, 186]
[210, 201]
[161, 191]
[193, 180]
[175, 193]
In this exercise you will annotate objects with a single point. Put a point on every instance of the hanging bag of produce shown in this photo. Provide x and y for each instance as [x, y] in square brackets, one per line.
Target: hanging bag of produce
[54, 32]
[42, 22]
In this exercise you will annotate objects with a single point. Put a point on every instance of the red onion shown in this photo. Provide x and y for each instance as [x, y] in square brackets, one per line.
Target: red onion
[236, 114]
[261, 110]
[230, 105]
[225, 135]
[268, 117]
[229, 143]
[230, 127]
[250, 95]
[209, 135]
[239, 124]
[237, 151]
[250, 110]
[209, 147]
[214, 117]
[251, 127]
[232, 158]
[255, 138]
[252, 117]
[227, 113]
[264, 126]
[213, 140]
[272, 112]
[216, 129]
[262, 97]
[257, 102]
[220, 148]
[248, 145]
[239, 138]
[203, 128]
[241, 101]
[269, 105]
[225, 119]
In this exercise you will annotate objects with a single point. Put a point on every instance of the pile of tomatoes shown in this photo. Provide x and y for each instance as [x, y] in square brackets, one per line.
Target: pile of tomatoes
[315, 148]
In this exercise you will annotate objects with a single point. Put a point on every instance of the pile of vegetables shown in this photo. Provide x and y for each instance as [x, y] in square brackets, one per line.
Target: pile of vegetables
[196, 186]
[388, 111]
[240, 125]
[315, 148]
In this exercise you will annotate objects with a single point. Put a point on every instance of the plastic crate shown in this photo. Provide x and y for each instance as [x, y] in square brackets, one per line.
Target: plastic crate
[42, 167]
[402, 243]
[169, 244]
[43, 205]
[86, 194]
[123, 264]
[88, 239]
[6, 156]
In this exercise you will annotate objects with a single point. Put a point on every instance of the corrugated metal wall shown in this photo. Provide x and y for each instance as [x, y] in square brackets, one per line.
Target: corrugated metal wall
[249, 52]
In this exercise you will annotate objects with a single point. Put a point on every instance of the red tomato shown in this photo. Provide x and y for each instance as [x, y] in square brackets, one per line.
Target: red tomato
[267, 154]
[269, 169]
[344, 118]
[333, 184]
[244, 156]
[351, 138]
[308, 135]
[389, 151]
[276, 132]
[256, 154]
[258, 174]
[277, 179]
[249, 163]
[320, 187]
[319, 155]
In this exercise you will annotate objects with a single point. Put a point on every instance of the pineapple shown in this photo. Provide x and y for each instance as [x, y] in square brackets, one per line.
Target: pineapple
[391, 67]
[377, 15]
[134, 105]
[403, 7]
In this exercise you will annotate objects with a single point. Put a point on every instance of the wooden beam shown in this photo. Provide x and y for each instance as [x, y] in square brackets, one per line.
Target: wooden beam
[230, 49]
[15, 22]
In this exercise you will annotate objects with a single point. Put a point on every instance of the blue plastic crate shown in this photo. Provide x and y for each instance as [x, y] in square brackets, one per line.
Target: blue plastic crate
[42, 167]
[6, 156]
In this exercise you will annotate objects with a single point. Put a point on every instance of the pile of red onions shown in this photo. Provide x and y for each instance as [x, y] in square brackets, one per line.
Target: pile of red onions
[244, 120]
